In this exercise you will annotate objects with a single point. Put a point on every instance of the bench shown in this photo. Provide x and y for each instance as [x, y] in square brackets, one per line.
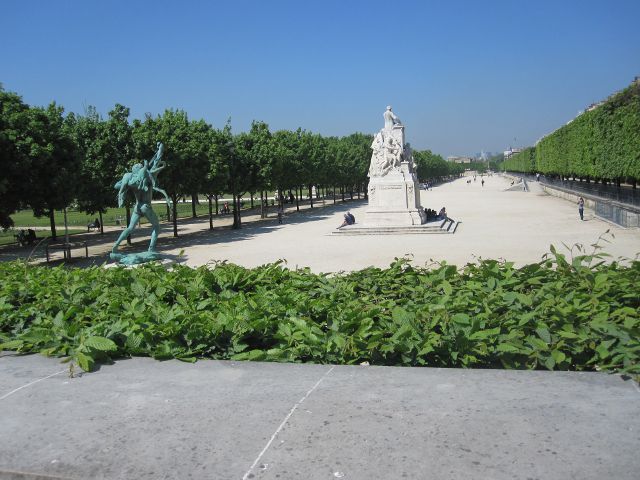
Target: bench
[66, 248]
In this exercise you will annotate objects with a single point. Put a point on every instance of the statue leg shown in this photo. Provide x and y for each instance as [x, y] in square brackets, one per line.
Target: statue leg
[127, 231]
[155, 228]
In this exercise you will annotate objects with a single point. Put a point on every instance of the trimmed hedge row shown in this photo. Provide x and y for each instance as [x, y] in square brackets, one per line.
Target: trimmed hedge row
[602, 143]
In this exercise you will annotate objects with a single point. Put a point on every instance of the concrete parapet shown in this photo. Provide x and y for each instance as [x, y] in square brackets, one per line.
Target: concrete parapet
[619, 213]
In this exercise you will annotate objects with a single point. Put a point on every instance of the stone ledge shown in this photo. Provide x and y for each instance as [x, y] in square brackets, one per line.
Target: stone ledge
[433, 228]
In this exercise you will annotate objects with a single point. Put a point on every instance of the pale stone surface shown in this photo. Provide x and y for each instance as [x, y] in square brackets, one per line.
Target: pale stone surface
[143, 419]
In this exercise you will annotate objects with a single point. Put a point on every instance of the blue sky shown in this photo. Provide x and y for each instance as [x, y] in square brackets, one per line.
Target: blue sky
[463, 76]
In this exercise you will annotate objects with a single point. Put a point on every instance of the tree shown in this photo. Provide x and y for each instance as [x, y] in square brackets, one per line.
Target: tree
[186, 162]
[219, 155]
[106, 149]
[14, 158]
[249, 164]
[54, 162]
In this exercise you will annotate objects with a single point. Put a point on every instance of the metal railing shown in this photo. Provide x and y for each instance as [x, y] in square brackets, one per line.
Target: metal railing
[624, 194]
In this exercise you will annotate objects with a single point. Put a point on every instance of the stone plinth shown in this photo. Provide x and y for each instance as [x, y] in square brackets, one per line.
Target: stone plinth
[398, 134]
[394, 200]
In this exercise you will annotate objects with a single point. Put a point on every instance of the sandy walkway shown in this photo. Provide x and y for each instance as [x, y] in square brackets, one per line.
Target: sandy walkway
[517, 226]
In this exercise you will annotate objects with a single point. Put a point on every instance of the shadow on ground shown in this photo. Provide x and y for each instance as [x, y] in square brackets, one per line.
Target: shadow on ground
[191, 231]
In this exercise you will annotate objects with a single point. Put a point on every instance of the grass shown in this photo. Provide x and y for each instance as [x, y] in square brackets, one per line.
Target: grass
[115, 216]
[112, 217]
[8, 237]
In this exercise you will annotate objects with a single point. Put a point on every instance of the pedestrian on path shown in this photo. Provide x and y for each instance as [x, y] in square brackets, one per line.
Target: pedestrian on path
[482, 182]
[280, 213]
[581, 208]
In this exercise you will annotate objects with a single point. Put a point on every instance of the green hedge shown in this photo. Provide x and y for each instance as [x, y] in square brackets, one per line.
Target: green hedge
[602, 143]
[556, 314]
[524, 161]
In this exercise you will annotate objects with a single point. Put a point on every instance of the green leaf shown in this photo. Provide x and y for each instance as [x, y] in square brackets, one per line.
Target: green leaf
[508, 348]
[544, 334]
[484, 334]
[461, 318]
[101, 343]
[84, 361]
[58, 320]
[558, 356]
[12, 345]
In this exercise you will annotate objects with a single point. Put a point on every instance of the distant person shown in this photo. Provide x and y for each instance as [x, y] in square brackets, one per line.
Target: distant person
[280, 213]
[442, 215]
[351, 217]
[537, 177]
[348, 220]
[581, 208]
[482, 182]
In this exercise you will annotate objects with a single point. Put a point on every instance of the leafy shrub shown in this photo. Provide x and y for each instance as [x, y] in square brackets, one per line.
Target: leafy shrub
[557, 314]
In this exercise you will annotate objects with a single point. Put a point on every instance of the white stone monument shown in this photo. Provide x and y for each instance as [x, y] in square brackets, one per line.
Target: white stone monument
[394, 193]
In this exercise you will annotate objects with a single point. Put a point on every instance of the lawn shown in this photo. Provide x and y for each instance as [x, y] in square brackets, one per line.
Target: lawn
[8, 237]
[112, 217]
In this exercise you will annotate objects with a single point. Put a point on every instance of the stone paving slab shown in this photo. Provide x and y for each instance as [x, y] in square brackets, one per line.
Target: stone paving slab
[143, 419]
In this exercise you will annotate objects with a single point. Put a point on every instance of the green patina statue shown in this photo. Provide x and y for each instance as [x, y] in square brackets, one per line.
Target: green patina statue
[142, 181]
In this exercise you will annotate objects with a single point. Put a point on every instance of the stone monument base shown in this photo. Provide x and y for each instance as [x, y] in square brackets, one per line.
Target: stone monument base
[392, 218]
[135, 258]
[394, 200]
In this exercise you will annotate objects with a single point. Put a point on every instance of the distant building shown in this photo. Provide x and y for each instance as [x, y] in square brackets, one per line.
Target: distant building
[511, 152]
[460, 159]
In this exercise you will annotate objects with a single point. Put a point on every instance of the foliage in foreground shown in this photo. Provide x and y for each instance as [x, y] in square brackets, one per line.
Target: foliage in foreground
[556, 314]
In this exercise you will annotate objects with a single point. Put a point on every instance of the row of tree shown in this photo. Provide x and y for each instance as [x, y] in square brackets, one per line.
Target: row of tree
[601, 144]
[50, 161]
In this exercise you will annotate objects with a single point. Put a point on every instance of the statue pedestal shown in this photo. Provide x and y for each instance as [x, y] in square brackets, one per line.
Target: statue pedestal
[398, 134]
[394, 199]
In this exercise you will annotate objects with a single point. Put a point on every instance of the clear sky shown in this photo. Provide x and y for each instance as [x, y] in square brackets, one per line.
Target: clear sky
[462, 75]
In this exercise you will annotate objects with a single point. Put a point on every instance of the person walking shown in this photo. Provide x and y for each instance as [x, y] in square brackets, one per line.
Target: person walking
[280, 214]
[581, 208]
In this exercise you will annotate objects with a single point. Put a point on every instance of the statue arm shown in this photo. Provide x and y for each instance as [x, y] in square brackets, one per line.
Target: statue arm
[122, 189]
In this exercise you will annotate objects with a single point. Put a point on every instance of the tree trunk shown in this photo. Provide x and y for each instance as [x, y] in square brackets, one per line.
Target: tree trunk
[101, 223]
[342, 192]
[216, 199]
[311, 195]
[52, 224]
[237, 220]
[334, 194]
[262, 200]
[210, 212]
[175, 215]
[297, 200]
[358, 190]
[194, 200]
[128, 213]
[251, 195]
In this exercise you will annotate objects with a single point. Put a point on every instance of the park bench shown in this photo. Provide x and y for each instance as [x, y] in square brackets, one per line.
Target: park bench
[66, 249]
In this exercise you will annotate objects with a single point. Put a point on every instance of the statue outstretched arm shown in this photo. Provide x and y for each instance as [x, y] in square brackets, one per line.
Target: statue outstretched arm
[166, 197]
[121, 185]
